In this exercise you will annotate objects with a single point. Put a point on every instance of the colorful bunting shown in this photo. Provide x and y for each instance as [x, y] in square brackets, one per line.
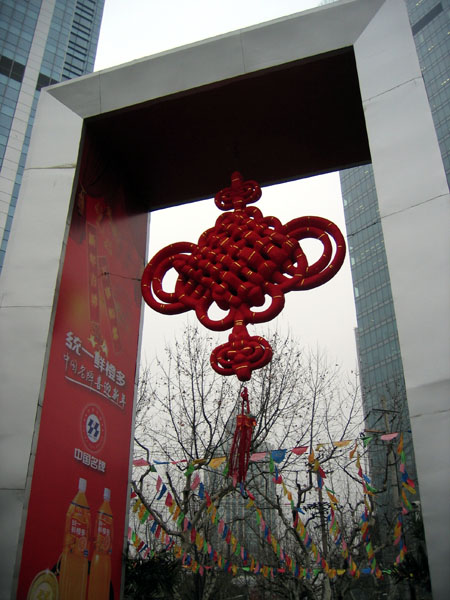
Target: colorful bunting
[276, 456]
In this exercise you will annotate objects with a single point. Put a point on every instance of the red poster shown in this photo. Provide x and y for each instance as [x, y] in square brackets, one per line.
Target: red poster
[77, 510]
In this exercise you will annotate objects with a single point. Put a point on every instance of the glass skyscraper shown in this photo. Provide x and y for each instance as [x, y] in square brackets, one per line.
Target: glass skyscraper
[381, 369]
[42, 42]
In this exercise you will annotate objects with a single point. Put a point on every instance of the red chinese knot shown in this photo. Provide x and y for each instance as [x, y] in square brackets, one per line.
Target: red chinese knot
[238, 264]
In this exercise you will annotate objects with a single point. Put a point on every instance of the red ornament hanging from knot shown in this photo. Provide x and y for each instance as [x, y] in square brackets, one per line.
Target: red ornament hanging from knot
[242, 439]
[238, 264]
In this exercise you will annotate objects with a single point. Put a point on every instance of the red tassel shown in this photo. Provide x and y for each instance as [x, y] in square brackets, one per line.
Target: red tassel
[240, 448]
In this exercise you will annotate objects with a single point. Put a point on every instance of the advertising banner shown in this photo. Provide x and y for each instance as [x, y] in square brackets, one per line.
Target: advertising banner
[74, 531]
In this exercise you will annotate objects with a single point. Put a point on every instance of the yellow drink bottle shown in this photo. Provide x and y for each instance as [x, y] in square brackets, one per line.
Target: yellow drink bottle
[100, 574]
[74, 560]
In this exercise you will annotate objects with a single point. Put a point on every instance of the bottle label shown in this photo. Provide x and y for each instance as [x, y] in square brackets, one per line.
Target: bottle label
[104, 533]
[77, 536]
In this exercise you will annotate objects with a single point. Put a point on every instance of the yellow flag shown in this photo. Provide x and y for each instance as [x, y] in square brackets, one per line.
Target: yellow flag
[342, 443]
[214, 463]
[409, 488]
[332, 498]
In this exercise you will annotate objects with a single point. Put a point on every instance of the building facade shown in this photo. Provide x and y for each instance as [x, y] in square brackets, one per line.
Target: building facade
[42, 42]
[380, 360]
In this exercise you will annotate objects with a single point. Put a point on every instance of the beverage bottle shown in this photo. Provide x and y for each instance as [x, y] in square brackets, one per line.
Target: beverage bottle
[74, 559]
[100, 573]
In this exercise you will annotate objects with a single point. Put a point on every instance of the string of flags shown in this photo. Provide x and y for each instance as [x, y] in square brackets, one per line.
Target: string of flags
[277, 456]
[197, 539]
[407, 482]
[214, 463]
[368, 490]
[337, 536]
[287, 564]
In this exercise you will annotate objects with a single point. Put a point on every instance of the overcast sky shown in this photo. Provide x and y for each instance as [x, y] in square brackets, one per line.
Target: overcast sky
[132, 29]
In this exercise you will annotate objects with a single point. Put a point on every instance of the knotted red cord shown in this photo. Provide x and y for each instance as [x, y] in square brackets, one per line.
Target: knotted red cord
[242, 439]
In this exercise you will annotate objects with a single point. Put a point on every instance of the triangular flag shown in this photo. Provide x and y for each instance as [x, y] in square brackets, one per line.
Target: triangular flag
[387, 437]
[162, 492]
[195, 482]
[140, 462]
[278, 455]
[257, 456]
[190, 469]
[216, 462]
[300, 450]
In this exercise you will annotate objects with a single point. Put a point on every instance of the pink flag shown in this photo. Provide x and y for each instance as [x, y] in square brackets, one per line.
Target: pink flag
[196, 481]
[258, 456]
[300, 450]
[158, 483]
[140, 462]
[387, 437]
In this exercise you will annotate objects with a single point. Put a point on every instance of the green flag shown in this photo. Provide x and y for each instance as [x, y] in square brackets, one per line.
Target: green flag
[190, 470]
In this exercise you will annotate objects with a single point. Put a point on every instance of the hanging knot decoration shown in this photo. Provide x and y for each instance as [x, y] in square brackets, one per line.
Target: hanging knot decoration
[245, 261]
[242, 439]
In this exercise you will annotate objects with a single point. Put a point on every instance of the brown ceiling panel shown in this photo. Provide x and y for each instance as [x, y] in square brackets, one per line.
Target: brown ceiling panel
[274, 125]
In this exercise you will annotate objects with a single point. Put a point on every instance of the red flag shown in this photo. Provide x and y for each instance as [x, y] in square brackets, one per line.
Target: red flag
[300, 450]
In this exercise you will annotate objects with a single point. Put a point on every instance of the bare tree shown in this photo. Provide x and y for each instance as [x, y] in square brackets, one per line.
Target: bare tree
[185, 421]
